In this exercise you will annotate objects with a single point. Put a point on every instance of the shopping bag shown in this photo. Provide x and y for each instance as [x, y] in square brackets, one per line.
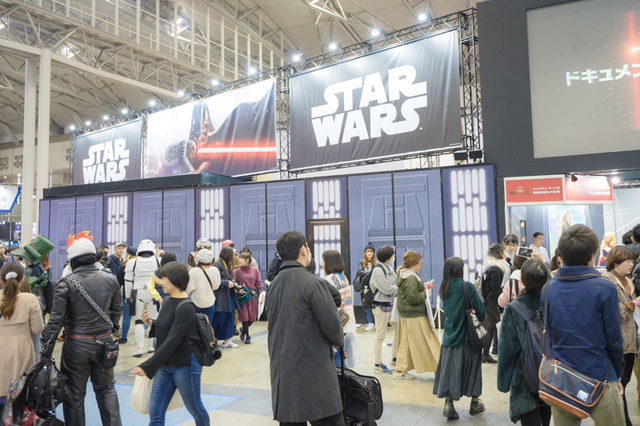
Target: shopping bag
[352, 349]
[395, 315]
[261, 299]
[141, 396]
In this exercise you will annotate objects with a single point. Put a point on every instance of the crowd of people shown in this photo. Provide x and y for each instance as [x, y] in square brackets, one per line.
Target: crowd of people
[91, 306]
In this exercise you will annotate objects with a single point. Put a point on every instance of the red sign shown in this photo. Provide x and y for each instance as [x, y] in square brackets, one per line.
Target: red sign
[542, 190]
[589, 189]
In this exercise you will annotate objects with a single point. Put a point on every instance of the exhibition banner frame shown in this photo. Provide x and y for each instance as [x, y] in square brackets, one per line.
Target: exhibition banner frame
[108, 155]
[231, 133]
[388, 103]
[534, 190]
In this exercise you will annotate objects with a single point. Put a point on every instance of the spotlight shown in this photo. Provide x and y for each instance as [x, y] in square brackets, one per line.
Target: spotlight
[573, 176]
[72, 127]
[615, 180]
[333, 46]
[105, 117]
[87, 123]
[152, 103]
[180, 92]
[252, 71]
[460, 155]
[375, 32]
[124, 111]
[214, 82]
[297, 57]
[179, 20]
[422, 17]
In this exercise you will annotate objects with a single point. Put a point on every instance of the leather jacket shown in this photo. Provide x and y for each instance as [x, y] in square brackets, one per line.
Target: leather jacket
[72, 311]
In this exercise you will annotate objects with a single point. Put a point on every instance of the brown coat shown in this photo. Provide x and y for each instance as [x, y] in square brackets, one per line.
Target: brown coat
[16, 335]
[627, 323]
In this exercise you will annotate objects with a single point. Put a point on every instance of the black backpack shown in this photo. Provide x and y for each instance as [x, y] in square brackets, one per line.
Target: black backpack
[202, 344]
[366, 294]
[533, 344]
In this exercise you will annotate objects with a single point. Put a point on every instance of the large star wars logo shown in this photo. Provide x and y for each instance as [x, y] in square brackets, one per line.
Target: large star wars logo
[369, 108]
[107, 162]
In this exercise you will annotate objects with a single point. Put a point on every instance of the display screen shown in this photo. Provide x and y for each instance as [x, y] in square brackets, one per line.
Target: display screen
[584, 63]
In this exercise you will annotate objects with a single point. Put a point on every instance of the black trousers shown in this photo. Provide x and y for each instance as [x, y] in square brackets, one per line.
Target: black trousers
[335, 420]
[492, 318]
[81, 360]
[629, 359]
[539, 416]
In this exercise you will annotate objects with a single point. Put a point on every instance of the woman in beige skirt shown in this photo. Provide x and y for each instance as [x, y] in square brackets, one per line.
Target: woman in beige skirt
[418, 345]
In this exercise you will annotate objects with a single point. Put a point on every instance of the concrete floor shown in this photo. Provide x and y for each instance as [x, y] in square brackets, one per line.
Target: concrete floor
[244, 373]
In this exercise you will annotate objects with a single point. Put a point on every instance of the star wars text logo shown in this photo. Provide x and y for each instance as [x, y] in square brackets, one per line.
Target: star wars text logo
[376, 101]
[107, 162]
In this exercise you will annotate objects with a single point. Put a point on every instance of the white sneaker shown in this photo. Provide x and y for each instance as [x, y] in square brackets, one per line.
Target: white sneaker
[370, 327]
[138, 353]
[402, 376]
[229, 344]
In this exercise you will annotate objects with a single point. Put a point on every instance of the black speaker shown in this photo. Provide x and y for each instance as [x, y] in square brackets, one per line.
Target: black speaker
[460, 155]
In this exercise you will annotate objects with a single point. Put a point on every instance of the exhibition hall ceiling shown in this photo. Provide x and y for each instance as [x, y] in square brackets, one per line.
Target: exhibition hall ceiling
[107, 62]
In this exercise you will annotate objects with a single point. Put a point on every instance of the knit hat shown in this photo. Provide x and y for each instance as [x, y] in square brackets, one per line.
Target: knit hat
[131, 250]
[370, 246]
[79, 247]
[204, 256]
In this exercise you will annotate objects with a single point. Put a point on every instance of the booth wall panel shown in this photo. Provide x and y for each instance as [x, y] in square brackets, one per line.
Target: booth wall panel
[62, 223]
[118, 220]
[89, 214]
[285, 212]
[147, 217]
[43, 225]
[212, 216]
[248, 221]
[178, 228]
[418, 219]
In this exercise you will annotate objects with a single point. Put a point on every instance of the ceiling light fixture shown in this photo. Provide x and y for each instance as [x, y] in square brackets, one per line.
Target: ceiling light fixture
[180, 92]
[333, 46]
[297, 57]
[87, 123]
[105, 117]
[152, 103]
[375, 32]
[124, 111]
[615, 180]
[215, 82]
[72, 127]
[252, 71]
[573, 177]
[422, 17]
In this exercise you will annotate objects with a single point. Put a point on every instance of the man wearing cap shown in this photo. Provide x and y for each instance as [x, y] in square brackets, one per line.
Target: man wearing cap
[84, 326]
[117, 257]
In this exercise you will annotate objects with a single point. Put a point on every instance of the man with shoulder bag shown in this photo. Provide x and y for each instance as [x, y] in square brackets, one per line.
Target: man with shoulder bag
[582, 322]
[88, 304]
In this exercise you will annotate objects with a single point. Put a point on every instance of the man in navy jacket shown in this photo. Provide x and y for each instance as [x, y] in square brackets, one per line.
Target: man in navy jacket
[584, 324]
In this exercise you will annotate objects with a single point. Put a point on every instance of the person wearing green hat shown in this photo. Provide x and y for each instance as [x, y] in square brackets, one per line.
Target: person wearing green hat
[34, 257]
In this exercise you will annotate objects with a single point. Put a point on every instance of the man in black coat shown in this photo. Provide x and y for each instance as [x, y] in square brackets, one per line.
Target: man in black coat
[303, 328]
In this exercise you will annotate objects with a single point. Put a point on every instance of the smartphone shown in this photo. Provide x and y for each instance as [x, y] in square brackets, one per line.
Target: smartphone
[524, 251]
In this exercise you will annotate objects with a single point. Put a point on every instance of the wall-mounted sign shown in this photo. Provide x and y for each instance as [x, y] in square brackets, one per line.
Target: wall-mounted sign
[8, 197]
[108, 155]
[589, 189]
[534, 190]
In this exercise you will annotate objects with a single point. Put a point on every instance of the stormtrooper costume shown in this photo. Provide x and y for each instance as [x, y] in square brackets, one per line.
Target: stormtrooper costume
[137, 275]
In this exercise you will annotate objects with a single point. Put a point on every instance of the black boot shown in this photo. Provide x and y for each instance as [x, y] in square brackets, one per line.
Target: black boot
[476, 407]
[449, 410]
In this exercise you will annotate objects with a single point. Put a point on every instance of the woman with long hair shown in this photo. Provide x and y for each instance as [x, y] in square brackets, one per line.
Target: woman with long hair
[459, 371]
[173, 365]
[20, 321]
[524, 406]
[226, 299]
[418, 345]
[248, 277]
[367, 262]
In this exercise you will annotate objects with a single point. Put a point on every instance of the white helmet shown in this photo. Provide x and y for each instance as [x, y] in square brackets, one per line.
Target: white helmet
[146, 246]
[79, 247]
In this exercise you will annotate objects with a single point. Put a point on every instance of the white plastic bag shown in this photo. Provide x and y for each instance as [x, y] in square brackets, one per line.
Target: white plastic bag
[141, 396]
[261, 299]
[395, 316]
[352, 351]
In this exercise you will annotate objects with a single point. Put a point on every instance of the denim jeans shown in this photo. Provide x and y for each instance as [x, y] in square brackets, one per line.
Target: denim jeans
[187, 381]
[126, 318]
[369, 317]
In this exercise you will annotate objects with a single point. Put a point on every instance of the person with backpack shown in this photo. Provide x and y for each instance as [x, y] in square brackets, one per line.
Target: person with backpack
[173, 365]
[524, 404]
[203, 281]
[365, 265]
[492, 273]
[619, 263]
[382, 283]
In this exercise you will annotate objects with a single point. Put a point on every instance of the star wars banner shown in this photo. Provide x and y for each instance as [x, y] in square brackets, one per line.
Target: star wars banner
[404, 99]
[231, 134]
[108, 155]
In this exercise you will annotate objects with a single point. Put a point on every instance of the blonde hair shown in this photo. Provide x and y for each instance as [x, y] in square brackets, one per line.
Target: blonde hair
[411, 258]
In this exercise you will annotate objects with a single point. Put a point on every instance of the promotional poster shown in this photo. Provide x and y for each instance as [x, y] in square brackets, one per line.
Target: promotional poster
[232, 133]
[400, 100]
[108, 155]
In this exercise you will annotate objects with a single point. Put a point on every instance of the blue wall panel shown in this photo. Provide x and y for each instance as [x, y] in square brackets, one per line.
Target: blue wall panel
[89, 214]
[62, 223]
[285, 212]
[248, 221]
[178, 225]
[147, 217]
[43, 226]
